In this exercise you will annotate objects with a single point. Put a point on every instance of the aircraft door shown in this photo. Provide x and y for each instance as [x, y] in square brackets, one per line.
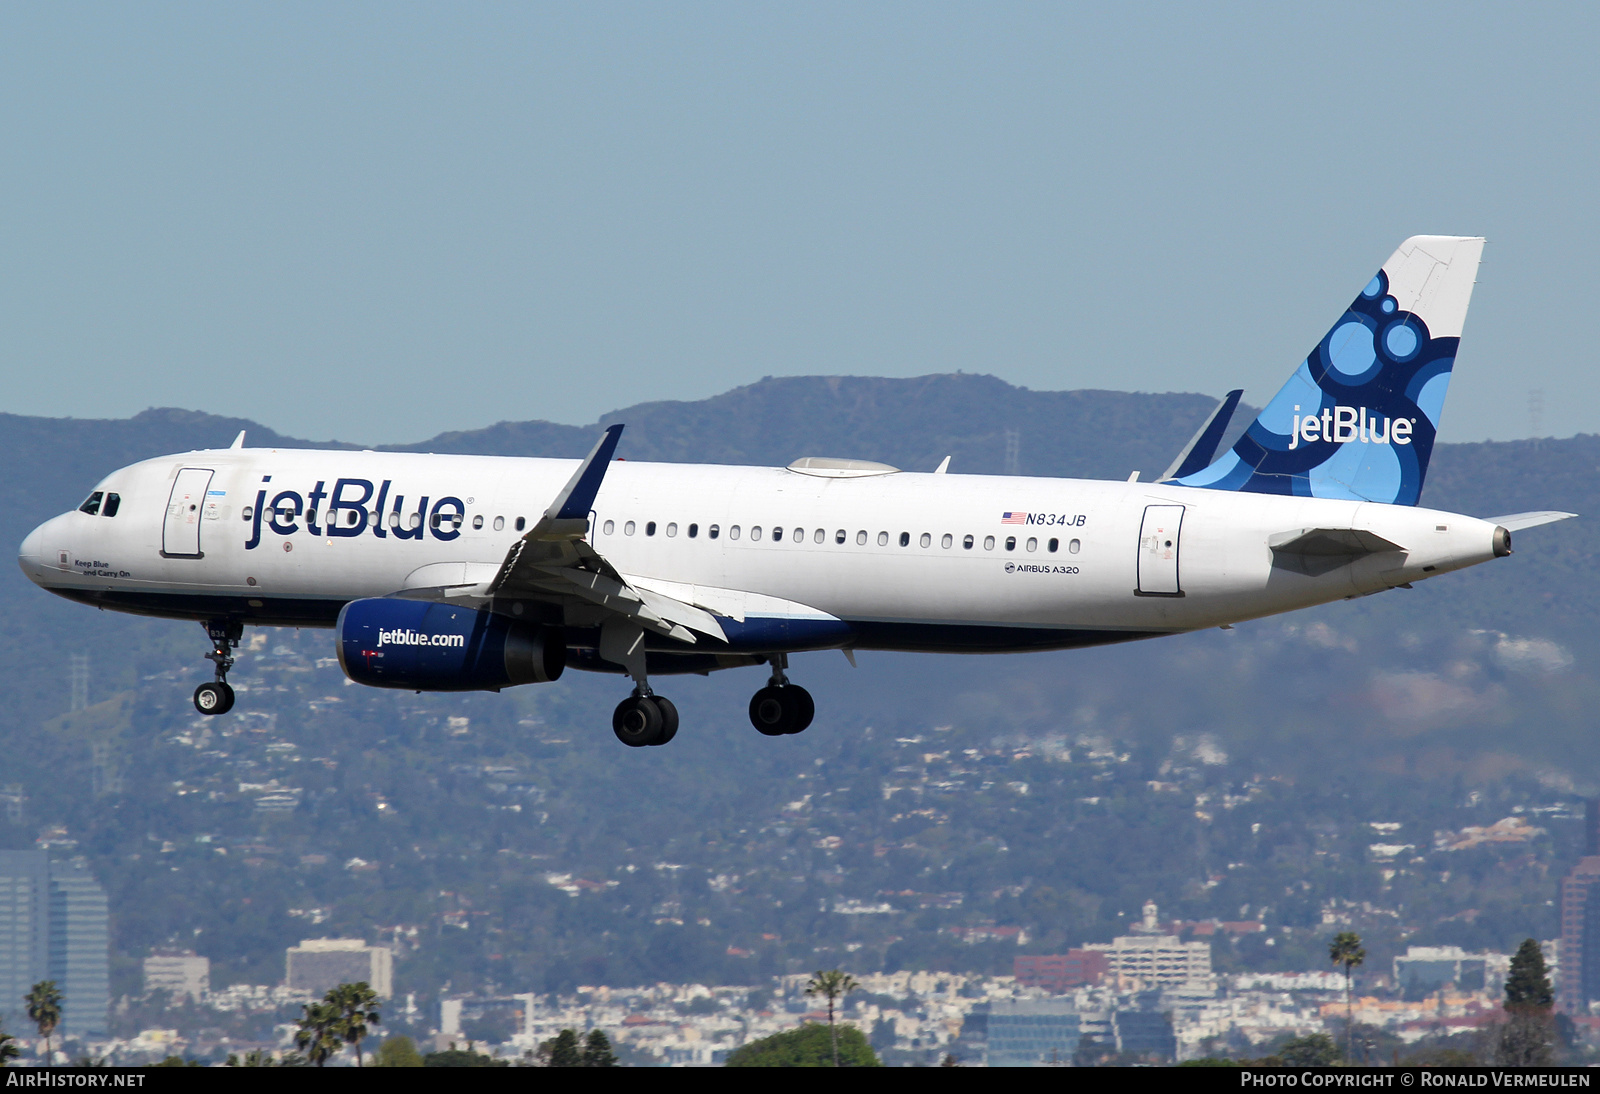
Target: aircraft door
[180, 534]
[1158, 551]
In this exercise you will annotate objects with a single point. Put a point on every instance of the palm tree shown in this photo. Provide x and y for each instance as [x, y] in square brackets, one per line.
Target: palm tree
[318, 1034]
[835, 984]
[357, 1007]
[1345, 950]
[44, 1010]
[8, 1048]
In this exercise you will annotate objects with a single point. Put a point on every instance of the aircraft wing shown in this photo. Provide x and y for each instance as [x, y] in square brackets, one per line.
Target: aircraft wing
[554, 563]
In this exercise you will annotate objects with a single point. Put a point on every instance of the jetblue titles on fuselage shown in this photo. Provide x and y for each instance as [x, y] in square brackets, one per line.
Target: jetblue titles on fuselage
[348, 514]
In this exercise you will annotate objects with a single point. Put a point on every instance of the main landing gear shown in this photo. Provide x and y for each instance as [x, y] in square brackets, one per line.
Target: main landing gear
[217, 697]
[645, 718]
[781, 707]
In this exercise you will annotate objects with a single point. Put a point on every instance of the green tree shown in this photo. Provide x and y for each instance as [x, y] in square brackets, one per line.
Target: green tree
[1527, 1036]
[44, 1011]
[835, 984]
[357, 1007]
[8, 1048]
[461, 1057]
[1313, 1050]
[318, 1032]
[597, 1050]
[808, 1046]
[1345, 950]
[562, 1050]
[397, 1052]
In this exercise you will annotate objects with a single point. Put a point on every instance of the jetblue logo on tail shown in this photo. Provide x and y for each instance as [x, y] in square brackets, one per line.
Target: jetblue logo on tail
[1357, 419]
[1342, 424]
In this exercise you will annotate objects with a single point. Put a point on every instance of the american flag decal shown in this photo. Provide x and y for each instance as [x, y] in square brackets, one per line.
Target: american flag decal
[1014, 518]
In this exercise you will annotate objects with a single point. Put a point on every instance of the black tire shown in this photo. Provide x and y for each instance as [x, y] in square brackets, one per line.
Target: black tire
[669, 719]
[637, 721]
[213, 698]
[771, 711]
[805, 708]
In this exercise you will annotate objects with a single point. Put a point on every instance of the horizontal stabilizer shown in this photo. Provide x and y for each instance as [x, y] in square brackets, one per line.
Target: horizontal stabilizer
[1316, 551]
[1516, 522]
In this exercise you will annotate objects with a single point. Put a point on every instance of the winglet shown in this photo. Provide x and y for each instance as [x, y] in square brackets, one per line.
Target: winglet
[944, 466]
[1196, 455]
[1516, 522]
[238, 442]
[575, 501]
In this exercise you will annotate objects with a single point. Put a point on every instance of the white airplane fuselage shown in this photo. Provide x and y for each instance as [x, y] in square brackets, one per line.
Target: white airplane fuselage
[902, 560]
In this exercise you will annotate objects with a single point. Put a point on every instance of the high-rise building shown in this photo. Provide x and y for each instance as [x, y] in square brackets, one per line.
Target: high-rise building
[318, 964]
[180, 974]
[1579, 980]
[1145, 962]
[53, 926]
[1033, 1032]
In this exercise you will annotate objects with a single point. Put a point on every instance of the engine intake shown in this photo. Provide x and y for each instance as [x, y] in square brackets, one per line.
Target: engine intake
[419, 645]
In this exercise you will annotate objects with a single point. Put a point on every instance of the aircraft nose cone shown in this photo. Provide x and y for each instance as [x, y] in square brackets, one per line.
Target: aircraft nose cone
[31, 556]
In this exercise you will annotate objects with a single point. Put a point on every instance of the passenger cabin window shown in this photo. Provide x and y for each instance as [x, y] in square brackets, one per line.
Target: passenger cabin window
[113, 503]
[905, 539]
[522, 522]
[777, 534]
[91, 504]
[838, 537]
[694, 530]
[925, 539]
[947, 541]
[755, 534]
[499, 524]
[713, 532]
[650, 528]
[672, 529]
[966, 543]
[861, 538]
[354, 519]
[1011, 543]
[609, 527]
[627, 529]
[988, 543]
[733, 533]
[477, 522]
[1033, 544]
[883, 539]
[247, 512]
[821, 536]
[1053, 546]
[1073, 546]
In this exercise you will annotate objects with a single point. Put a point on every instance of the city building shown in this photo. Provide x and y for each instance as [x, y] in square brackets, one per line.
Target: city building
[1423, 970]
[1033, 1032]
[181, 974]
[318, 964]
[1579, 980]
[54, 926]
[1058, 973]
[1145, 1034]
[1149, 961]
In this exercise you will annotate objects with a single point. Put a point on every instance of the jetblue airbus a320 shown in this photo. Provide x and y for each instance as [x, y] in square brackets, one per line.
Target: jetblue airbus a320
[449, 573]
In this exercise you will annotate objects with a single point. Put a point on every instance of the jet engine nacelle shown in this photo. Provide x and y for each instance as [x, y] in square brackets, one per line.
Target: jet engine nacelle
[420, 645]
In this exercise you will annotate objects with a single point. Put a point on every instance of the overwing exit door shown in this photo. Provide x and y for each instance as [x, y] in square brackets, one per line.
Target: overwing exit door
[1158, 551]
[180, 534]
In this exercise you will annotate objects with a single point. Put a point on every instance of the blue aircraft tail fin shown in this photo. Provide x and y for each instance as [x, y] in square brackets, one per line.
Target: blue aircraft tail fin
[1358, 417]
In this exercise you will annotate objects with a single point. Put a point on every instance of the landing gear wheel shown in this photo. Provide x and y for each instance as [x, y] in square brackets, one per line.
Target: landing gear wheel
[805, 708]
[213, 698]
[772, 710]
[637, 721]
[669, 719]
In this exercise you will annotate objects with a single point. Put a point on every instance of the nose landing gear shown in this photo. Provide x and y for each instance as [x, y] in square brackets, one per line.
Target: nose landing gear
[781, 707]
[217, 697]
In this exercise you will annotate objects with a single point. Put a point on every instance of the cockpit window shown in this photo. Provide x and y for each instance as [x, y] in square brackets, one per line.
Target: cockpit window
[113, 503]
[92, 505]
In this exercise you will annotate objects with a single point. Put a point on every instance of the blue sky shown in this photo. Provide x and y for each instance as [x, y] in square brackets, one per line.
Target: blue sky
[377, 222]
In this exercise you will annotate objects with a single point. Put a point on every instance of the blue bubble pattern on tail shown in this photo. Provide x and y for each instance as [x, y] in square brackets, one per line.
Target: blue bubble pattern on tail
[1358, 418]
